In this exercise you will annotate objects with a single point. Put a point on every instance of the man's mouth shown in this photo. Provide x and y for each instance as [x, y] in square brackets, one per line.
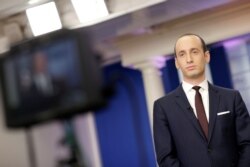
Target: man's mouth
[190, 67]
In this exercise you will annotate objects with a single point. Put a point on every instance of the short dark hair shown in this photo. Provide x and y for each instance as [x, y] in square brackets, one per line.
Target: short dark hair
[203, 44]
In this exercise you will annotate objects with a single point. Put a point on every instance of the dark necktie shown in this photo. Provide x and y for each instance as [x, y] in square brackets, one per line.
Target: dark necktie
[201, 111]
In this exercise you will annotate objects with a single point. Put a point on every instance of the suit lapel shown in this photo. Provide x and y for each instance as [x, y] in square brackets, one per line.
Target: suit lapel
[182, 101]
[214, 100]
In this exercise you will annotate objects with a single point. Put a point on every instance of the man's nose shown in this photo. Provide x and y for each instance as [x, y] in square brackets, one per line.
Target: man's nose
[189, 58]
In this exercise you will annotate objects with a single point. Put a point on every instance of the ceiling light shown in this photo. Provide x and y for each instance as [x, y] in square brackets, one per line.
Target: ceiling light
[90, 10]
[44, 18]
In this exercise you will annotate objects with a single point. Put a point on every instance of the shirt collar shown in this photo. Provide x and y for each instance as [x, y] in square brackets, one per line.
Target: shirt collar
[188, 87]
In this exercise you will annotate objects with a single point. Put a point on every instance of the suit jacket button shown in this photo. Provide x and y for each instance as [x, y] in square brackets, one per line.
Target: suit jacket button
[209, 150]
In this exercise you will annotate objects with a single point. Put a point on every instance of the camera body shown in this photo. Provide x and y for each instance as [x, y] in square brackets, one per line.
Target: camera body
[51, 76]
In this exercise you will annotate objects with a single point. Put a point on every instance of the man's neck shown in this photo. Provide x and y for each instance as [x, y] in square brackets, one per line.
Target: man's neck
[194, 81]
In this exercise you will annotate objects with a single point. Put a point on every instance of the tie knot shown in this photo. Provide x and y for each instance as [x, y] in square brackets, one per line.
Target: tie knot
[196, 88]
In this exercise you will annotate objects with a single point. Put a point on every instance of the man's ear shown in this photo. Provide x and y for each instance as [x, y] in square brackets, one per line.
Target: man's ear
[176, 63]
[207, 56]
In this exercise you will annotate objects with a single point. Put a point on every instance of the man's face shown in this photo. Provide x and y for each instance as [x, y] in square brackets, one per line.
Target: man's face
[40, 63]
[190, 57]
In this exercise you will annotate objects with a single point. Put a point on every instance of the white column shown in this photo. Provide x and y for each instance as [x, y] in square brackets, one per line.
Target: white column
[152, 80]
[88, 138]
[49, 151]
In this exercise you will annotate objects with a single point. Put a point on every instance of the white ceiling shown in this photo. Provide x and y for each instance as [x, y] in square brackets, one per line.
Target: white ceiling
[172, 8]
[123, 20]
[153, 15]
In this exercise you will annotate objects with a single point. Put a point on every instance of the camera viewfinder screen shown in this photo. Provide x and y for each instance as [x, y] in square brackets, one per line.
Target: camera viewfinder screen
[44, 77]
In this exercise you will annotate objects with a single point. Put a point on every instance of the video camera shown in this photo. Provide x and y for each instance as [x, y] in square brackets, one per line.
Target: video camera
[51, 76]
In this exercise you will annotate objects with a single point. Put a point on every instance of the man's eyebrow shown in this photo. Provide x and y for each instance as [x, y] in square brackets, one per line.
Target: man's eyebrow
[194, 49]
[182, 51]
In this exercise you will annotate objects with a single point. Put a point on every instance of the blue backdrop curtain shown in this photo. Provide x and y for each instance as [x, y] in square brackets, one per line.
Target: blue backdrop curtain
[170, 75]
[123, 126]
[220, 70]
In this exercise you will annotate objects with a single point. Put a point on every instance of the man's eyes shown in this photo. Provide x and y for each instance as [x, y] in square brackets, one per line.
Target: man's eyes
[181, 54]
[192, 52]
[195, 52]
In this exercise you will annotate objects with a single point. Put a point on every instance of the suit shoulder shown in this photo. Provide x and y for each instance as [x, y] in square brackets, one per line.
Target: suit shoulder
[225, 90]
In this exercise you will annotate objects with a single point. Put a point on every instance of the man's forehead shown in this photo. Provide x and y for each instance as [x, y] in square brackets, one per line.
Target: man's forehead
[188, 37]
[183, 41]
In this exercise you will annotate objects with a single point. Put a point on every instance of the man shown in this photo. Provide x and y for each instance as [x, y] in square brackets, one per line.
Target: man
[201, 126]
[43, 89]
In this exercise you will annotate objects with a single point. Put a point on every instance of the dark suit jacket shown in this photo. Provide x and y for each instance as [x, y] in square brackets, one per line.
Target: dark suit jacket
[179, 141]
[33, 99]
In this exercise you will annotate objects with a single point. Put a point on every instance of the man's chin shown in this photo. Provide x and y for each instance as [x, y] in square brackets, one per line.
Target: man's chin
[194, 75]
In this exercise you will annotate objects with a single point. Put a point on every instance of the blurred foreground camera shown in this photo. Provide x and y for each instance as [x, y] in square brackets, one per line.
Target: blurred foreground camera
[52, 76]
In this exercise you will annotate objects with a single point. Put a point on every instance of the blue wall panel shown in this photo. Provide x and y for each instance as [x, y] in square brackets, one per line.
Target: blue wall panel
[170, 75]
[220, 70]
[123, 126]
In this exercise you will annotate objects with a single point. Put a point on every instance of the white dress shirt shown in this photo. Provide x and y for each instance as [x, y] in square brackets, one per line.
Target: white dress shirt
[190, 93]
